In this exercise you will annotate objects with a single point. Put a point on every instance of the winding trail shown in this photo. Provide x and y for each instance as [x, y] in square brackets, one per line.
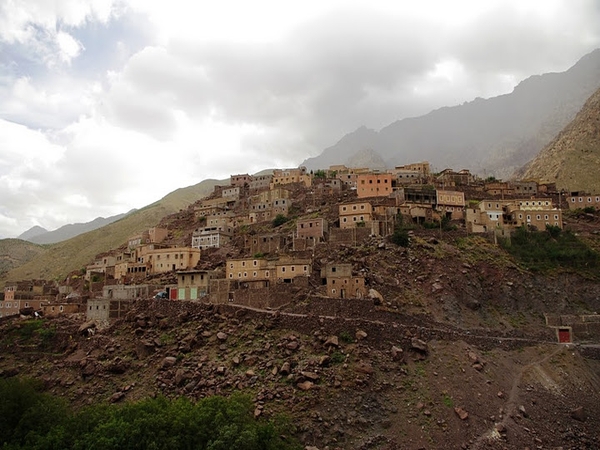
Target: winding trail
[510, 406]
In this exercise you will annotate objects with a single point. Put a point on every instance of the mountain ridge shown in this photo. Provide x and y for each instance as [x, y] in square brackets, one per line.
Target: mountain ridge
[497, 135]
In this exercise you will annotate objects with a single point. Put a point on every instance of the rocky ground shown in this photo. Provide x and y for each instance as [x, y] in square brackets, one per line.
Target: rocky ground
[454, 353]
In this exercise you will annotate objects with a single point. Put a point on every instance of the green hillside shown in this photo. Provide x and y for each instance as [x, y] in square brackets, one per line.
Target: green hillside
[16, 252]
[57, 260]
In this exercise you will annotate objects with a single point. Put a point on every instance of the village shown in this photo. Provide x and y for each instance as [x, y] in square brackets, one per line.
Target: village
[253, 241]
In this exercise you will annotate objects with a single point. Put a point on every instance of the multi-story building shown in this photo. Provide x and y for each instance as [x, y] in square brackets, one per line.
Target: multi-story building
[312, 228]
[374, 185]
[341, 283]
[193, 284]
[450, 203]
[163, 260]
[289, 176]
[489, 215]
[355, 214]
[211, 237]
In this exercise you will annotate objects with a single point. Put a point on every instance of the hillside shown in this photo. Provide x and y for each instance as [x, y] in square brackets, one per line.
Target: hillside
[60, 259]
[16, 252]
[456, 356]
[494, 136]
[572, 159]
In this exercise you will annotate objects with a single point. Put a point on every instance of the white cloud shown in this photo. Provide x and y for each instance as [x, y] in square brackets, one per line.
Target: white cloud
[224, 87]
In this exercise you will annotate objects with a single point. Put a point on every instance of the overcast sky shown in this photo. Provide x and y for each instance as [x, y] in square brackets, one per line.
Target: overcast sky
[108, 105]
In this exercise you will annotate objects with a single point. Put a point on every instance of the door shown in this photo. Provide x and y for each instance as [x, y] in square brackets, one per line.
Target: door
[564, 335]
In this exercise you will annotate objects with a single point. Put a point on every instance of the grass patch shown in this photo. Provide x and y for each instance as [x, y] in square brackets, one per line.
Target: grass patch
[551, 249]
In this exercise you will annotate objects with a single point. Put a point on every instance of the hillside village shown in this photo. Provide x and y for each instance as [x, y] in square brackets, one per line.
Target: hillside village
[371, 308]
[253, 239]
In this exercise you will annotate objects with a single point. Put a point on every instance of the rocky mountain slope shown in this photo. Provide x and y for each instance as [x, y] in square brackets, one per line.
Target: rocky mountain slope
[572, 159]
[455, 356]
[493, 136]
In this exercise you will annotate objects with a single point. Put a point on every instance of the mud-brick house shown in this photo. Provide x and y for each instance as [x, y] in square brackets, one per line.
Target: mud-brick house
[193, 284]
[252, 272]
[353, 214]
[239, 180]
[103, 266]
[103, 310]
[211, 237]
[260, 182]
[315, 227]
[340, 282]
[265, 243]
[55, 309]
[374, 185]
[164, 260]
[154, 235]
[489, 215]
[580, 200]
[289, 176]
[449, 177]
[450, 204]
[525, 187]
[231, 192]
[499, 188]
[292, 270]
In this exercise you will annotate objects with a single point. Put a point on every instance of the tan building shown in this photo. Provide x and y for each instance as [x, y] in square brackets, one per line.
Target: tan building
[490, 215]
[211, 237]
[449, 177]
[355, 214]
[581, 201]
[154, 235]
[312, 228]
[173, 258]
[450, 203]
[288, 176]
[240, 180]
[499, 188]
[193, 284]
[340, 283]
[265, 271]
[374, 185]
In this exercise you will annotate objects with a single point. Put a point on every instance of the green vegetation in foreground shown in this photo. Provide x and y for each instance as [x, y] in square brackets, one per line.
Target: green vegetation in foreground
[551, 249]
[32, 419]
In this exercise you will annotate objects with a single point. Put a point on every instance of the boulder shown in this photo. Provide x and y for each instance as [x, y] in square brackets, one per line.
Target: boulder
[419, 345]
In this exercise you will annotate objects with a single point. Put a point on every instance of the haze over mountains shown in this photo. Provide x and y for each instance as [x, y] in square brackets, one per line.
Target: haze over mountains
[494, 136]
[39, 235]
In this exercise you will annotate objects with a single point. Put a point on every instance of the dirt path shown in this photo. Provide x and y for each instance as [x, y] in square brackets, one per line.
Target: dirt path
[510, 407]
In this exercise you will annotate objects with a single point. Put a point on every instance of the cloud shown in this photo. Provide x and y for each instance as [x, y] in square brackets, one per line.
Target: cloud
[119, 102]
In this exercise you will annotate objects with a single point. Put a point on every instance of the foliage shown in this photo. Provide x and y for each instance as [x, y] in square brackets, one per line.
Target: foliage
[320, 174]
[589, 210]
[400, 235]
[346, 337]
[34, 420]
[279, 220]
[551, 249]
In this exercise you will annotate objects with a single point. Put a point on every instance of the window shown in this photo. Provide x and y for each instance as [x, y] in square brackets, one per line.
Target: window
[538, 217]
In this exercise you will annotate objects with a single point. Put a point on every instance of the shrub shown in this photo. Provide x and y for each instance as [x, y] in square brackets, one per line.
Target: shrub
[280, 219]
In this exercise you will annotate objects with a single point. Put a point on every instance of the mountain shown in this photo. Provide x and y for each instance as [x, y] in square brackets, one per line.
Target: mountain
[572, 159]
[57, 260]
[39, 235]
[494, 136]
[32, 233]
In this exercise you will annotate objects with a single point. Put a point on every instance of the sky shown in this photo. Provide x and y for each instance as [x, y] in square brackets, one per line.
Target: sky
[108, 105]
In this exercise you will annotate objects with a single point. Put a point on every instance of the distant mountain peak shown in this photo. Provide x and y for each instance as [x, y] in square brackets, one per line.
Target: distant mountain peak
[495, 136]
[32, 232]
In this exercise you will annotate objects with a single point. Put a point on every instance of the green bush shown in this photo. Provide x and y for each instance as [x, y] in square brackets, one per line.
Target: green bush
[34, 420]
[551, 249]
[280, 219]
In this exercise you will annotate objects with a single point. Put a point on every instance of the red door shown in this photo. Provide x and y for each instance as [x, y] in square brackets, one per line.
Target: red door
[564, 335]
